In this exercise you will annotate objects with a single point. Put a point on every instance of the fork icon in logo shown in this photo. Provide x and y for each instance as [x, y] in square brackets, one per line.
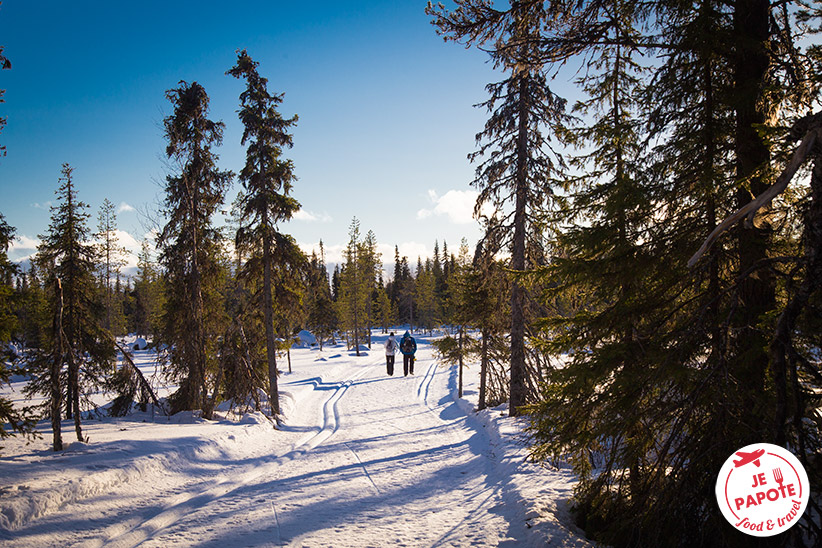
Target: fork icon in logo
[777, 475]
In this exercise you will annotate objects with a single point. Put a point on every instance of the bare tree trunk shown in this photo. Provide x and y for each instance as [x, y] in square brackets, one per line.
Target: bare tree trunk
[483, 387]
[708, 174]
[55, 366]
[459, 385]
[270, 345]
[757, 291]
[518, 388]
[197, 371]
[74, 372]
[356, 315]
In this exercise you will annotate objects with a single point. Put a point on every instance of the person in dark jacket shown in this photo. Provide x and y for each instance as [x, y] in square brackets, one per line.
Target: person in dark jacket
[408, 347]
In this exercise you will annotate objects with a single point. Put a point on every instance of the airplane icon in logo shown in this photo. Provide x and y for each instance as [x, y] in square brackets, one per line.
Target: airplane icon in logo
[748, 457]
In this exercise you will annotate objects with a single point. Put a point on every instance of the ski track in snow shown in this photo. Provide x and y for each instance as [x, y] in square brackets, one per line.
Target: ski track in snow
[362, 459]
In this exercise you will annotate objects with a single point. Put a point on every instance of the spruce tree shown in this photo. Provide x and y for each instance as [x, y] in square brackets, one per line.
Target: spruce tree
[370, 265]
[462, 347]
[449, 268]
[190, 246]
[77, 338]
[426, 298]
[8, 272]
[354, 289]
[322, 318]
[393, 286]
[605, 252]
[517, 165]
[335, 284]
[32, 312]
[267, 181]
[482, 288]
[383, 309]
[407, 299]
[439, 276]
[111, 258]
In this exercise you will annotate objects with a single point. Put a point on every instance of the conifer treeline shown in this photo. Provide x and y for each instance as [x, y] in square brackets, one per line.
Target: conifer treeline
[349, 303]
[220, 315]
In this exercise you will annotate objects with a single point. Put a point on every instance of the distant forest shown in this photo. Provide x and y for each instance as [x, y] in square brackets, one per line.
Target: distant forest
[646, 293]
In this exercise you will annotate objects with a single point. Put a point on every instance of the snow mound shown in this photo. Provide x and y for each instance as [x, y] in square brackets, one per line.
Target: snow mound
[254, 418]
[22, 503]
[305, 339]
[187, 417]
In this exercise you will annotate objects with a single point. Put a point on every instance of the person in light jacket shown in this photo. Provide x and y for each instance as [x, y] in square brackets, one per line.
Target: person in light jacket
[408, 347]
[390, 349]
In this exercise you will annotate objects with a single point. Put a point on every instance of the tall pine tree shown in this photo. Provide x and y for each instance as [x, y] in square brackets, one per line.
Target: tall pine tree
[190, 245]
[77, 339]
[517, 166]
[354, 289]
[267, 181]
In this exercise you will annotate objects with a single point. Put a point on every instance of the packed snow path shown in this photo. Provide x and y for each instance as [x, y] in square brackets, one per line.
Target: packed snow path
[362, 459]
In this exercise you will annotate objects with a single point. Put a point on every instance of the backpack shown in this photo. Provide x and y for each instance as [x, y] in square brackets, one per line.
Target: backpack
[407, 345]
[391, 346]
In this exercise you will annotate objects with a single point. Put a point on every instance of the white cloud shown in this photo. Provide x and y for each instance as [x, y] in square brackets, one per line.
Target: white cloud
[412, 250]
[45, 205]
[311, 217]
[333, 253]
[457, 205]
[133, 247]
[23, 248]
[124, 207]
[127, 240]
[25, 242]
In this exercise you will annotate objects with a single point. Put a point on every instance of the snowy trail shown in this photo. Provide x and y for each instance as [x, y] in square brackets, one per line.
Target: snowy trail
[361, 460]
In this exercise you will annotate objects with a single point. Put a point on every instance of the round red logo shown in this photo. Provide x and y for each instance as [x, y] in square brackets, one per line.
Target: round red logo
[762, 489]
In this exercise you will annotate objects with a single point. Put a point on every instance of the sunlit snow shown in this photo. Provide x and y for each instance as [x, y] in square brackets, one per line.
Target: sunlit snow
[361, 459]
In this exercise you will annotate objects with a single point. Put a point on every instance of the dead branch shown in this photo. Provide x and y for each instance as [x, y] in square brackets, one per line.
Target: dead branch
[143, 382]
[811, 138]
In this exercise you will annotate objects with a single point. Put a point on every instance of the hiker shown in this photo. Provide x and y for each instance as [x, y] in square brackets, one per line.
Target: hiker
[390, 349]
[408, 346]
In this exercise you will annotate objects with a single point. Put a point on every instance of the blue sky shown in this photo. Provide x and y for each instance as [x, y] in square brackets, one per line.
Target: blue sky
[386, 115]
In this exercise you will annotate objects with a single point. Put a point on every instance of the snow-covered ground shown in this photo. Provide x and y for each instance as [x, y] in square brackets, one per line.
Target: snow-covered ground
[362, 459]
